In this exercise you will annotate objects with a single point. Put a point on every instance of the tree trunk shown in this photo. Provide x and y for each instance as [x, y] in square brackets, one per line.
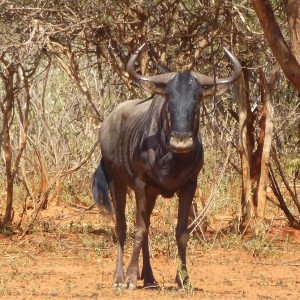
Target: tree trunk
[245, 147]
[278, 45]
[255, 163]
[293, 14]
[6, 143]
[11, 167]
[267, 130]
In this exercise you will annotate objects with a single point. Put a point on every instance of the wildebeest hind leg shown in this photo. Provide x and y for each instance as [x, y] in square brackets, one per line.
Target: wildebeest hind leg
[143, 211]
[147, 273]
[118, 192]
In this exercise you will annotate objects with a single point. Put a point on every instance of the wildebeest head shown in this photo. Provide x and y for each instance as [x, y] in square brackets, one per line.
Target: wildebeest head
[183, 92]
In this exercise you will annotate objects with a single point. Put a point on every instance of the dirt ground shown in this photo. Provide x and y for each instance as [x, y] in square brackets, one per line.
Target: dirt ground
[67, 258]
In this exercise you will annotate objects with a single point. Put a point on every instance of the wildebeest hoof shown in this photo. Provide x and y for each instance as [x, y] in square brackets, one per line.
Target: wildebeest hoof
[118, 281]
[116, 285]
[131, 280]
[183, 284]
[126, 285]
[151, 285]
[131, 286]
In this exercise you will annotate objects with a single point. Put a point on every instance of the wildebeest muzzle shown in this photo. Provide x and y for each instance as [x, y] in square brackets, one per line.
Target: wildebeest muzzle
[181, 142]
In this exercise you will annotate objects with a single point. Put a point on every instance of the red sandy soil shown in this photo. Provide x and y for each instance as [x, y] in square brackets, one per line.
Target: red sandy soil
[78, 263]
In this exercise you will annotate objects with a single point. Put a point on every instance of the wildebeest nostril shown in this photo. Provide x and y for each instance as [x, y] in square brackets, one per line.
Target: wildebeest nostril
[181, 136]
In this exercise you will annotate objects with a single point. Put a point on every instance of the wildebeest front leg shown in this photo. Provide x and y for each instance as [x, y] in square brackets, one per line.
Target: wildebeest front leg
[186, 195]
[147, 273]
[143, 212]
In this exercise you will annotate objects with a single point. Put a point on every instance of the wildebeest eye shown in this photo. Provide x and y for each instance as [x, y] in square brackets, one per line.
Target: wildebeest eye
[199, 97]
[205, 87]
[167, 95]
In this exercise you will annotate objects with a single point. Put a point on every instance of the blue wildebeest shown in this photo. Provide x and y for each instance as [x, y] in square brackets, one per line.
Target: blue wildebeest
[153, 146]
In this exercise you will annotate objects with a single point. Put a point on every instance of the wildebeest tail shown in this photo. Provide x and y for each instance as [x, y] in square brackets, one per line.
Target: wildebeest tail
[100, 188]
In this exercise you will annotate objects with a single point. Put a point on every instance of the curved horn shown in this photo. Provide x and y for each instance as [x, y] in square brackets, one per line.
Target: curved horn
[157, 79]
[237, 70]
[130, 64]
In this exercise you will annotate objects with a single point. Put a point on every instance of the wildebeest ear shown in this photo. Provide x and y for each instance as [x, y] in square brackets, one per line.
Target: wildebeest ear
[214, 90]
[157, 88]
